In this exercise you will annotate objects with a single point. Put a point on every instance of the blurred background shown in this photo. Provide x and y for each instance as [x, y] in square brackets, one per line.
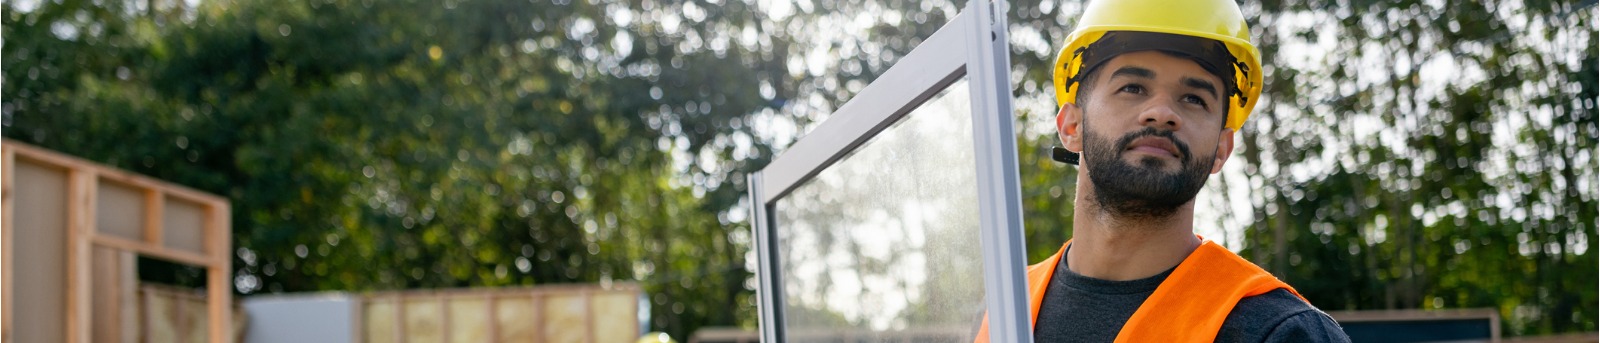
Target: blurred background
[1405, 155]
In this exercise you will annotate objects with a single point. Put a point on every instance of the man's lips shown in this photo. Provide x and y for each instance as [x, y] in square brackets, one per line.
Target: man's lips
[1154, 146]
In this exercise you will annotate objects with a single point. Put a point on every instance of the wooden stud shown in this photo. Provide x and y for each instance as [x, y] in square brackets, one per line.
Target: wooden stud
[493, 317]
[400, 320]
[588, 316]
[139, 181]
[358, 312]
[46, 156]
[173, 255]
[81, 219]
[107, 275]
[538, 312]
[218, 236]
[8, 176]
[154, 205]
[444, 316]
[128, 295]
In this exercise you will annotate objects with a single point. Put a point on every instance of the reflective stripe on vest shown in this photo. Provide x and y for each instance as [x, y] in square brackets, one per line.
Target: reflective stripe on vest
[1177, 311]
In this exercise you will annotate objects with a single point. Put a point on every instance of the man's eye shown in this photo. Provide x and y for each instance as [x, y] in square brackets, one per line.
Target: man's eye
[1135, 89]
[1193, 99]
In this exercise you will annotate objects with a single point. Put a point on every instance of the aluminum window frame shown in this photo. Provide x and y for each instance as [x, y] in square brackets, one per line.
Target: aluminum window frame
[978, 35]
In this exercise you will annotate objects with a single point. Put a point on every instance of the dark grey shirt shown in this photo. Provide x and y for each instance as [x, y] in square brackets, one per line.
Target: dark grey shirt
[1078, 308]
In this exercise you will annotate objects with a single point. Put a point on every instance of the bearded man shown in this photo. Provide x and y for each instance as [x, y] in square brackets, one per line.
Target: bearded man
[1151, 95]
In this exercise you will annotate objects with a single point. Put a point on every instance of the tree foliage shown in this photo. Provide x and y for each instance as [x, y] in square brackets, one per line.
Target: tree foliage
[371, 145]
[1443, 158]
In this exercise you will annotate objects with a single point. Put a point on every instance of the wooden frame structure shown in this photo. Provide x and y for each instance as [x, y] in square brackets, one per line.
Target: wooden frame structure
[561, 313]
[546, 313]
[80, 225]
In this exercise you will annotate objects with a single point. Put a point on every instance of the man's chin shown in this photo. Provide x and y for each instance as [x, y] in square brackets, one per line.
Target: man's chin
[1155, 165]
[1144, 186]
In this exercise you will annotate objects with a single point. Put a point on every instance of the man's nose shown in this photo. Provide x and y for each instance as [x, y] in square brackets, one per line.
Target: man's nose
[1161, 115]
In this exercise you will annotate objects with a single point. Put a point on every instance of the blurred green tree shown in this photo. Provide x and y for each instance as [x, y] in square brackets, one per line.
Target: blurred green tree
[419, 144]
[1443, 156]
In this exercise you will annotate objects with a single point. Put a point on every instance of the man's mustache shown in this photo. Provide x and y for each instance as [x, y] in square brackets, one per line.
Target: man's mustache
[1183, 148]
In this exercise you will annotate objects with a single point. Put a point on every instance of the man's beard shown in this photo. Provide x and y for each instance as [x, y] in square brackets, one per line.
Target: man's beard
[1144, 191]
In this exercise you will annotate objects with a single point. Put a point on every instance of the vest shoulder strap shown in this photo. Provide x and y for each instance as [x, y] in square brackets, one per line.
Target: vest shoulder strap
[1038, 281]
[1192, 303]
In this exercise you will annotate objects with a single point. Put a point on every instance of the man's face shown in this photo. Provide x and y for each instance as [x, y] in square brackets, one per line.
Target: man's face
[1151, 130]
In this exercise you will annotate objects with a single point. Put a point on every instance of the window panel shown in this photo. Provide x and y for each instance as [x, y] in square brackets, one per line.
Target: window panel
[883, 244]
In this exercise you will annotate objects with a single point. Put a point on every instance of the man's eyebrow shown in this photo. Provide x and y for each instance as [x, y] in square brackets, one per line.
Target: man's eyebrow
[1201, 84]
[1134, 71]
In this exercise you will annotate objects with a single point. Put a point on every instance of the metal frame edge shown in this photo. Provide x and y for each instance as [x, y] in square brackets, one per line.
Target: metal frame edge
[999, 186]
[769, 309]
[905, 86]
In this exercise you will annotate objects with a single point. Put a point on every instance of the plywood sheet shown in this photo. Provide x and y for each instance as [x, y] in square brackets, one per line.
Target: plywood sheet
[567, 318]
[424, 321]
[39, 256]
[115, 297]
[611, 314]
[173, 314]
[469, 319]
[182, 224]
[199, 324]
[156, 315]
[120, 211]
[516, 319]
[380, 321]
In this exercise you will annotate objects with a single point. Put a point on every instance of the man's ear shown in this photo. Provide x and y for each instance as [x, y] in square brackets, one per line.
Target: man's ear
[1069, 127]
[1224, 150]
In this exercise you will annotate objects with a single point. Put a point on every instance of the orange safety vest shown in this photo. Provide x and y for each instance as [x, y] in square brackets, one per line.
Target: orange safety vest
[1189, 306]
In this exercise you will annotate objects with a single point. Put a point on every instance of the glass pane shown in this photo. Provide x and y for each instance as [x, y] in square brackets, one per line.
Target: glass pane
[883, 245]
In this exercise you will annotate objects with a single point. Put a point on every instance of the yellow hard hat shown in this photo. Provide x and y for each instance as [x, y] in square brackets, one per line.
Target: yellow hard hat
[1218, 20]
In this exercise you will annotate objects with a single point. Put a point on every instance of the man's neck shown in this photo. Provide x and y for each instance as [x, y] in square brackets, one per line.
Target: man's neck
[1108, 247]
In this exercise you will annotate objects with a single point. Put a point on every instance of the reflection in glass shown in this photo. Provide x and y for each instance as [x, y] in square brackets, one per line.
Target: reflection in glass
[883, 245]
